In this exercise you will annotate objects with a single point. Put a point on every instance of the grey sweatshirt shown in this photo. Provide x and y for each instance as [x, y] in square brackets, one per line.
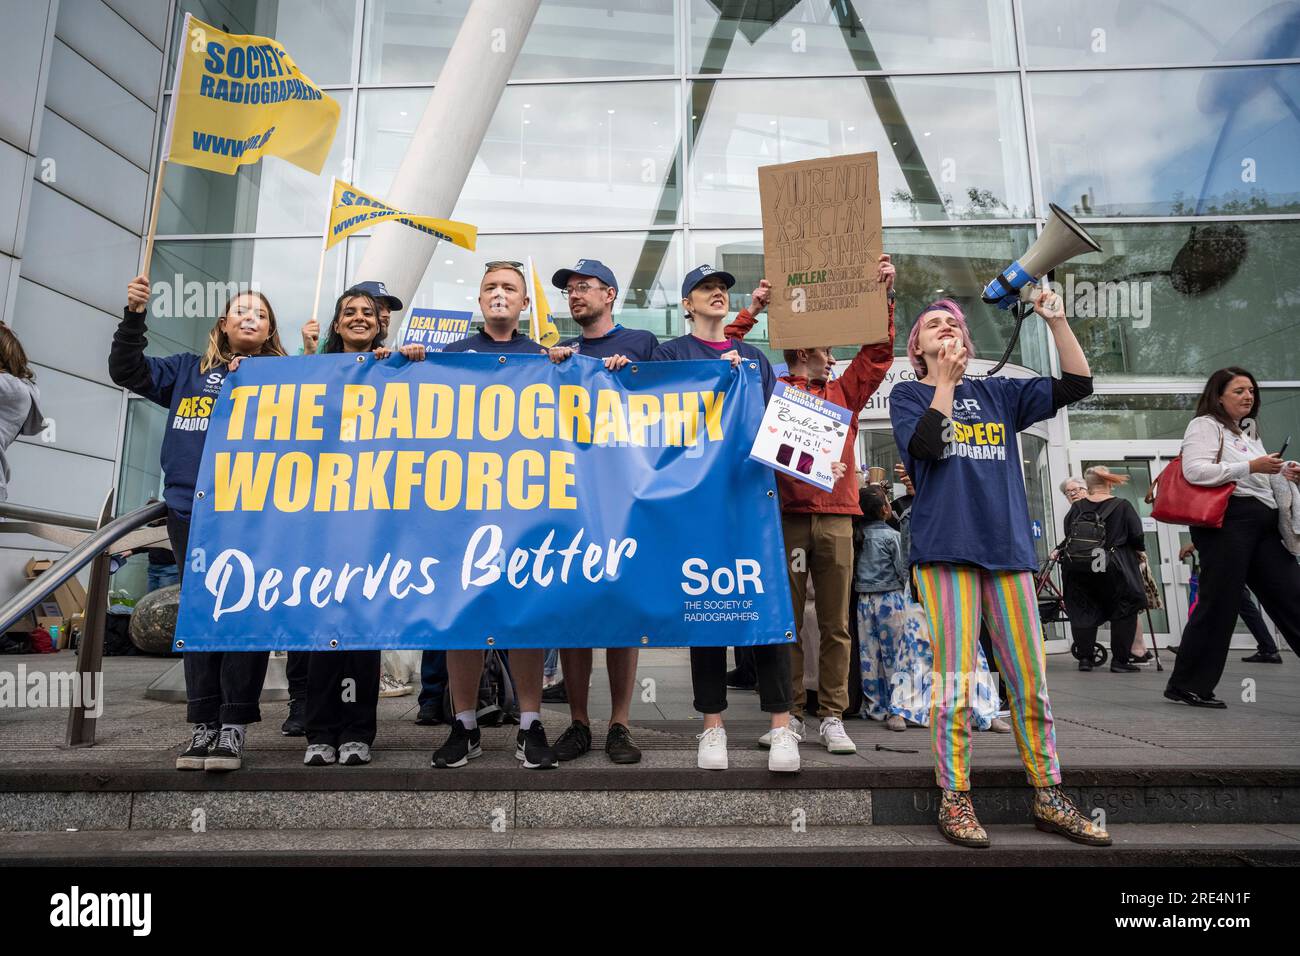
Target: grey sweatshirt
[19, 415]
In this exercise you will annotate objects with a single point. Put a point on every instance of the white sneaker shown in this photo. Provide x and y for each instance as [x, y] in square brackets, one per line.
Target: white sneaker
[391, 687]
[796, 728]
[319, 755]
[833, 736]
[784, 754]
[354, 753]
[713, 749]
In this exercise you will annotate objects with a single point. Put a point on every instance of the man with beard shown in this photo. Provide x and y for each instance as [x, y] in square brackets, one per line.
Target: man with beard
[591, 290]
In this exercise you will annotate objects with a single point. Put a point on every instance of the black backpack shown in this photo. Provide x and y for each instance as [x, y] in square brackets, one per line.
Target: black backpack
[1087, 535]
[496, 703]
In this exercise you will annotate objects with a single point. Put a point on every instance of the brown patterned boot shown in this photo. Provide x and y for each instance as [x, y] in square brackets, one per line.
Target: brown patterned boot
[957, 820]
[1054, 813]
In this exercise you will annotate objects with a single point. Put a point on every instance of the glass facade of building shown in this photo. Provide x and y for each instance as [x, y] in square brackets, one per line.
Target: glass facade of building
[631, 131]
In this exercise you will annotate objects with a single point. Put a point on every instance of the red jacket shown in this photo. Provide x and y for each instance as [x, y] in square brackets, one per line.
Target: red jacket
[851, 390]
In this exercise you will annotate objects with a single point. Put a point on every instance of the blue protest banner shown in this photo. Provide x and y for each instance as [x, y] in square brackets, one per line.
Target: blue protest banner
[475, 500]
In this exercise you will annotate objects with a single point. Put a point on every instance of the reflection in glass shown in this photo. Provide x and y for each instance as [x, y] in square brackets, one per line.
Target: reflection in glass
[1214, 142]
[317, 33]
[1143, 308]
[406, 41]
[646, 264]
[284, 270]
[1109, 417]
[1120, 32]
[843, 36]
[562, 156]
[269, 196]
[949, 147]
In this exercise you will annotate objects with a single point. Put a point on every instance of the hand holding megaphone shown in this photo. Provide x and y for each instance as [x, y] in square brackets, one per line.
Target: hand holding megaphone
[1048, 304]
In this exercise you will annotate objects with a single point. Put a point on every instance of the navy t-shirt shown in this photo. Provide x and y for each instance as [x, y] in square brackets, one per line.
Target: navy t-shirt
[970, 505]
[480, 341]
[189, 396]
[637, 344]
[690, 348]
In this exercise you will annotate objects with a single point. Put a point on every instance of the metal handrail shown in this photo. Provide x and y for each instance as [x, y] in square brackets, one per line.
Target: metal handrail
[76, 558]
[27, 513]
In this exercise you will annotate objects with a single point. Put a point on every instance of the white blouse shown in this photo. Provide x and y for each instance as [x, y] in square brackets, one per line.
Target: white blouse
[1201, 447]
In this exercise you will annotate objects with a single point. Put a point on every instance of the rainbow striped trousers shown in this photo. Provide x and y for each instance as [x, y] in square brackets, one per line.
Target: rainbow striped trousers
[956, 597]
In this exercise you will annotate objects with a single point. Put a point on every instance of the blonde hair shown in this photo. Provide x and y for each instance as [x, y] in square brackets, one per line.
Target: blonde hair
[219, 352]
[1099, 476]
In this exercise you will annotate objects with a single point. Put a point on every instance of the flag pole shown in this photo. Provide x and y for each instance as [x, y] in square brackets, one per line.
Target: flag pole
[320, 269]
[147, 253]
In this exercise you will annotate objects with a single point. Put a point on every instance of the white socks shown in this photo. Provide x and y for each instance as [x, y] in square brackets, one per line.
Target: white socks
[469, 718]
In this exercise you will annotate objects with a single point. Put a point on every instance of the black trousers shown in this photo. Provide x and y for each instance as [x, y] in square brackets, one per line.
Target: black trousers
[709, 678]
[342, 697]
[1246, 552]
[1123, 631]
[295, 669]
[221, 687]
[1255, 623]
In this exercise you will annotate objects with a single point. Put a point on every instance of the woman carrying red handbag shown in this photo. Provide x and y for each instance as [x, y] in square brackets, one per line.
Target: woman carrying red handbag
[1221, 446]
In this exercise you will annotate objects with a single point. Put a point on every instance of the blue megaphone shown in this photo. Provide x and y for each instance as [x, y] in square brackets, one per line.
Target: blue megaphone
[1062, 239]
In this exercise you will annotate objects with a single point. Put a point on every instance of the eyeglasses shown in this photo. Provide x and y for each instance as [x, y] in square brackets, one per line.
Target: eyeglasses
[502, 264]
[582, 288]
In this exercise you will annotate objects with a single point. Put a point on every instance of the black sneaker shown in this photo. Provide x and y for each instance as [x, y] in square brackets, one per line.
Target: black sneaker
[201, 741]
[574, 742]
[619, 746]
[1264, 657]
[430, 714]
[460, 748]
[228, 754]
[295, 725]
[555, 694]
[533, 749]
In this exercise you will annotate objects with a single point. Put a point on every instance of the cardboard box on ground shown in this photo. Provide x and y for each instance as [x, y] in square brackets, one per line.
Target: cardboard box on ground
[63, 608]
[821, 242]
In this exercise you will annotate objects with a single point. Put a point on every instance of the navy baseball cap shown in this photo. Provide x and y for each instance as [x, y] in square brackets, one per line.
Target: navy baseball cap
[699, 274]
[380, 294]
[592, 268]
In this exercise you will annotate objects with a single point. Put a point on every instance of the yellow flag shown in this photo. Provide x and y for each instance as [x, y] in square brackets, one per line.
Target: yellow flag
[352, 210]
[238, 98]
[544, 330]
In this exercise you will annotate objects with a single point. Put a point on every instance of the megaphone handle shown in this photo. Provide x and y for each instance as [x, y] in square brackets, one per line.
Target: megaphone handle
[1022, 310]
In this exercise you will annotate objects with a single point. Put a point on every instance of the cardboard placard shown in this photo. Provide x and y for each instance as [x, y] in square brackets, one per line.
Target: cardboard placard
[821, 242]
[802, 435]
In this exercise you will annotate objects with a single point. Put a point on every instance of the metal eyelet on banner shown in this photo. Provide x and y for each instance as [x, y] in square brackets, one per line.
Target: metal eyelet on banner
[179, 645]
[334, 643]
[753, 365]
[502, 360]
[771, 494]
[789, 635]
[634, 368]
[644, 639]
[361, 358]
[491, 641]
[199, 495]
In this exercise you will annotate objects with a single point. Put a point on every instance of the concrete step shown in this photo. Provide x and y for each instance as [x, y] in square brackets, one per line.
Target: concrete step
[1135, 845]
[400, 791]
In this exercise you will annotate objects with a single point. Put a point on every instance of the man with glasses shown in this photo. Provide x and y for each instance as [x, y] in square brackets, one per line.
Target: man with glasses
[591, 290]
[502, 299]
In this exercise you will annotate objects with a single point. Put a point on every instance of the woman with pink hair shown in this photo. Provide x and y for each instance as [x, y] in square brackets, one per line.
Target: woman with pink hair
[972, 552]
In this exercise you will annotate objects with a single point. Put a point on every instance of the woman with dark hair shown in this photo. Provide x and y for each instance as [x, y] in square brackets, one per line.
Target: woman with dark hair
[19, 414]
[341, 727]
[1222, 445]
[1101, 569]
[972, 554]
[222, 687]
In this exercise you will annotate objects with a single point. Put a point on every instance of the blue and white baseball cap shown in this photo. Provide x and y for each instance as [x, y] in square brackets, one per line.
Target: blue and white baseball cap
[700, 273]
[379, 292]
[591, 268]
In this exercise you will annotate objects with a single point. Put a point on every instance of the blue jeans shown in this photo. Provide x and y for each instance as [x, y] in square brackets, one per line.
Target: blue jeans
[551, 663]
[161, 575]
[433, 676]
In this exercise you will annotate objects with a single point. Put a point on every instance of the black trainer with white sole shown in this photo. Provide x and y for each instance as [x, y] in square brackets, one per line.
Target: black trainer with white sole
[461, 747]
[533, 750]
[202, 740]
[228, 753]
